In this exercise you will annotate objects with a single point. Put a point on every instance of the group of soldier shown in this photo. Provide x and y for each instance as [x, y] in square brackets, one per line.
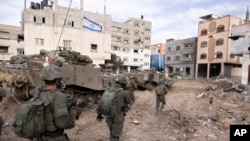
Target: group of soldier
[61, 116]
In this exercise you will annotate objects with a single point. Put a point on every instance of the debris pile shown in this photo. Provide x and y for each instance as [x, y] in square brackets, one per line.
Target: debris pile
[227, 85]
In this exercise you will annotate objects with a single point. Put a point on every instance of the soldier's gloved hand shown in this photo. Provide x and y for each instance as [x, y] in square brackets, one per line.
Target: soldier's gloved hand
[99, 118]
[77, 111]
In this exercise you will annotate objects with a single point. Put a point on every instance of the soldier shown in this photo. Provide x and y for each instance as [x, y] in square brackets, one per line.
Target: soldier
[115, 123]
[60, 115]
[2, 94]
[160, 91]
[132, 86]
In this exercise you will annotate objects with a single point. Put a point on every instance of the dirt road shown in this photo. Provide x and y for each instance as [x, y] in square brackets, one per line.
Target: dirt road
[185, 117]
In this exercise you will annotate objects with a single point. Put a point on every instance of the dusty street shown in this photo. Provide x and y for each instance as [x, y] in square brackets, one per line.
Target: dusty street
[188, 116]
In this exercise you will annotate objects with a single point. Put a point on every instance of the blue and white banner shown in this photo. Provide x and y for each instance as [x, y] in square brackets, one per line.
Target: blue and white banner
[91, 25]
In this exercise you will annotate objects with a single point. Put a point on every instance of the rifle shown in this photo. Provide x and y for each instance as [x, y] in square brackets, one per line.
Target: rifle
[73, 103]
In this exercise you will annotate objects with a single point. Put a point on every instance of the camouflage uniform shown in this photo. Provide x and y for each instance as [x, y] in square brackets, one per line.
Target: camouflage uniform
[2, 94]
[116, 122]
[59, 115]
[160, 91]
[132, 87]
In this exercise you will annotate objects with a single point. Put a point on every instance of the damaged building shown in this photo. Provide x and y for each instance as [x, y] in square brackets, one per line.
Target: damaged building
[240, 46]
[213, 47]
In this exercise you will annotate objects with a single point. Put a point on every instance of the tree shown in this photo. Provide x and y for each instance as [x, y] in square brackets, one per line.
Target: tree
[117, 63]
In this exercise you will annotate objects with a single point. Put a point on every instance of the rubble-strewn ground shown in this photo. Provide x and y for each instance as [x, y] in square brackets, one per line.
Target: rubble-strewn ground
[191, 114]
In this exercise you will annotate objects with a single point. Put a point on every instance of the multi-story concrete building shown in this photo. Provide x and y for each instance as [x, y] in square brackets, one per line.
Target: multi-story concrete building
[213, 47]
[158, 48]
[181, 56]
[131, 42]
[47, 27]
[43, 28]
[240, 46]
[11, 41]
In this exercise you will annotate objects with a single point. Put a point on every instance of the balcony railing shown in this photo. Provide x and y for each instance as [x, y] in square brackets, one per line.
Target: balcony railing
[187, 59]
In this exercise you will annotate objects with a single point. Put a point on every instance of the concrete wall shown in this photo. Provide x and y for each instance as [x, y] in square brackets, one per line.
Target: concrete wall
[80, 41]
[240, 45]
[184, 61]
[245, 69]
[8, 38]
[50, 31]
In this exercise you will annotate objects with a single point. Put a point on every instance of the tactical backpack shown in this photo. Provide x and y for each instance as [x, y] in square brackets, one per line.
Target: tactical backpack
[108, 102]
[29, 120]
[159, 90]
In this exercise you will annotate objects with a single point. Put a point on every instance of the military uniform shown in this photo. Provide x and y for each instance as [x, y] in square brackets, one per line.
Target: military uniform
[132, 87]
[59, 115]
[116, 122]
[160, 91]
[2, 94]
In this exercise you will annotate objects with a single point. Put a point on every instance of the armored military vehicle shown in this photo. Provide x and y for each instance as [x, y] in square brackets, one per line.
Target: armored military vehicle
[150, 79]
[81, 80]
[22, 79]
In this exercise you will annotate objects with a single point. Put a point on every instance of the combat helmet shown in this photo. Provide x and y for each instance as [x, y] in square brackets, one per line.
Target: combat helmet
[162, 81]
[120, 79]
[51, 72]
[2, 92]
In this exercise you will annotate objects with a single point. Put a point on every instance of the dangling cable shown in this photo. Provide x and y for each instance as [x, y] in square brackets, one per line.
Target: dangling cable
[60, 34]
[59, 38]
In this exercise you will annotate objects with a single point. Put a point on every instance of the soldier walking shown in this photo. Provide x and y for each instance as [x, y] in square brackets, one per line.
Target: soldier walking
[161, 90]
[115, 122]
[59, 116]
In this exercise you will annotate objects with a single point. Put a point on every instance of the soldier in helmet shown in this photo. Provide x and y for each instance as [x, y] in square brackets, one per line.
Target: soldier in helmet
[60, 116]
[122, 98]
[2, 94]
[132, 86]
[161, 90]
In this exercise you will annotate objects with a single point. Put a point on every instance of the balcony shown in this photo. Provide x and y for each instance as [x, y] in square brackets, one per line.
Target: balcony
[187, 59]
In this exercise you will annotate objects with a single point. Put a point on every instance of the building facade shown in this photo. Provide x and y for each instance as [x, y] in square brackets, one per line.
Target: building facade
[181, 56]
[129, 40]
[43, 28]
[11, 41]
[213, 47]
[158, 48]
[240, 46]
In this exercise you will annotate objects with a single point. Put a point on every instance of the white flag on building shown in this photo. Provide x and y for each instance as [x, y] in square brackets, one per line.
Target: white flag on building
[91, 25]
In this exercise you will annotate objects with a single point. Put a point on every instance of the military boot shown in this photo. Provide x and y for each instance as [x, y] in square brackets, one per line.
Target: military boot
[162, 106]
[157, 111]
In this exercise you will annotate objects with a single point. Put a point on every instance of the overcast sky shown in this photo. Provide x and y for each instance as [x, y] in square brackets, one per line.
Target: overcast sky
[176, 19]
